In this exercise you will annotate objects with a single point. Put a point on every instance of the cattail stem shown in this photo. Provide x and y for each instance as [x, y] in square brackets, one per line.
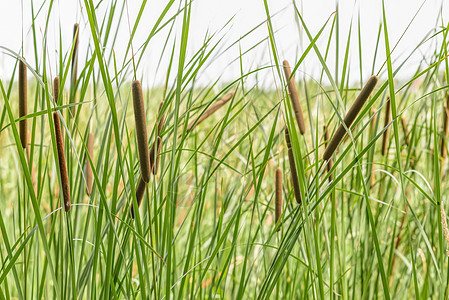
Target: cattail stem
[155, 166]
[23, 103]
[294, 97]
[350, 116]
[89, 175]
[141, 130]
[386, 122]
[161, 122]
[62, 163]
[140, 191]
[278, 195]
[213, 108]
[153, 152]
[331, 161]
[291, 160]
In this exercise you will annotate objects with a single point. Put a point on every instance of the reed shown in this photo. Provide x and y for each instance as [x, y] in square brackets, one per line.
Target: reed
[213, 108]
[160, 125]
[407, 141]
[278, 195]
[386, 122]
[161, 121]
[155, 166]
[445, 129]
[330, 163]
[404, 128]
[56, 90]
[62, 163]
[74, 65]
[141, 130]
[89, 175]
[372, 128]
[294, 97]
[293, 171]
[140, 191]
[153, 152]
[350, 116]
[23, 132]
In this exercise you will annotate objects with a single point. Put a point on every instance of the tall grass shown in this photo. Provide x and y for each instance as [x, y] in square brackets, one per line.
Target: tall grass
[122, 199]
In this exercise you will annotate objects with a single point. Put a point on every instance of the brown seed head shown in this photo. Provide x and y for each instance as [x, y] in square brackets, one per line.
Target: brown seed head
[56, 90]
[23, 103]
[213, 108]
[350, 116]
[141, 130]
[294, 97]
[62, 164]
[386, 122]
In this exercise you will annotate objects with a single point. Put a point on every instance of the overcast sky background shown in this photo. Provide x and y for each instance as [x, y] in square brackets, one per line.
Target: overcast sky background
[211, 15]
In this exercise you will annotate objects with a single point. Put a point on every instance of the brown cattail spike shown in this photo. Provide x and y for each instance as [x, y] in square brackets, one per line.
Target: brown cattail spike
[331, 161]
[445, 129]
[56, 90]
[62, 164]
[75, 54]
[23, 103]
[141, 131]
[89, 175]
[350, 116]
[278, 195]
[294, 97]
[213, 108]
[386, 122]
[140, 191]
[291, 160]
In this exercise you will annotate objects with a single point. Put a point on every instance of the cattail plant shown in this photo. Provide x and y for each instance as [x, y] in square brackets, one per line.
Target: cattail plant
[141, 131]
[56, 90]
[350, 116]
[23, 103]
[213, 108]
[445, 129]
[74, 65]
[294, 97]
[62, 163]
[155, 165]
[291, 160]
[386, 122]
[89, 175]
[140, 191]
[326, 141]
[278, 195]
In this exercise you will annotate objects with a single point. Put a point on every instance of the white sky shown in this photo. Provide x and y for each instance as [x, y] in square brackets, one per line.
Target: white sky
[212, 15]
